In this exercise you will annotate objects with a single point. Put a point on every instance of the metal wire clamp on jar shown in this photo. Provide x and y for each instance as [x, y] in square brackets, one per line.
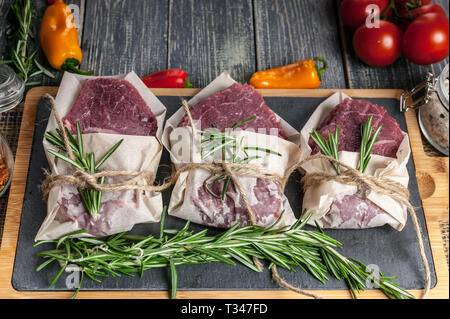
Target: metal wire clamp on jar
[11, 88]
[431, 99]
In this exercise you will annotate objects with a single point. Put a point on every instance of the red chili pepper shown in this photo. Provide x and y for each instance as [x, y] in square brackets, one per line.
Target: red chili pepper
[171, 78]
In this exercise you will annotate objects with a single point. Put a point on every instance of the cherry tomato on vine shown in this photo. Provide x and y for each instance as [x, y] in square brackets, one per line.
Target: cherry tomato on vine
[404, 8]
[410, 4]
[378, 46]
[428, 8]
[407, 16]
[426, 39]
[355, 12]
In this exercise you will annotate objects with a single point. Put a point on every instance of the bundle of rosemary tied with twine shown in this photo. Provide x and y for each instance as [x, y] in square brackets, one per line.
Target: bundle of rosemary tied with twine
[348, 176]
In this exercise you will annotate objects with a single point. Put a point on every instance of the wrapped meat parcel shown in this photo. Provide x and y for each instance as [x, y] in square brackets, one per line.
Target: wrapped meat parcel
[335, 205]
[108, 109]
[261, 139]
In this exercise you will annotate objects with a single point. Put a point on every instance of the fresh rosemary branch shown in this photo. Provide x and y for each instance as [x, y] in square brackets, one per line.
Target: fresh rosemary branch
[91, 198]
[330, 147]
[232, 151]
[288, 247]
[358, 274]
[367, 143]
[19, 34]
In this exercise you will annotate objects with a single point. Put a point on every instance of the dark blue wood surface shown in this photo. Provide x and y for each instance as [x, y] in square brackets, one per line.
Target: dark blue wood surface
[206, 37]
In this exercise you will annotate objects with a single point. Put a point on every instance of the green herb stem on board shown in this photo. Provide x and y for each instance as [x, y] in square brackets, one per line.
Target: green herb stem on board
[290, 247]
[367, 142]
[19, 34]
[86, 162]
[329, 148]
[232, 151]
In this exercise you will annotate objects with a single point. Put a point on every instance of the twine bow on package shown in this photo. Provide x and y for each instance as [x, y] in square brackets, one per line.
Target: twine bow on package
[337, 204]
[108, 109]
[231, 154]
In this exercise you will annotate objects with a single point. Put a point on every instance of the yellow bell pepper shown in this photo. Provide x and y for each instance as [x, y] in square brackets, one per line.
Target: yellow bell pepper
[300, 75]
[59, 38]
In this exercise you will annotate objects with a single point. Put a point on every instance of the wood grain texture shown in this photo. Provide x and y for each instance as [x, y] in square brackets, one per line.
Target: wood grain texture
[207, 37]
[121, 36]
[435, 208]
[288, 31]
[402, 74]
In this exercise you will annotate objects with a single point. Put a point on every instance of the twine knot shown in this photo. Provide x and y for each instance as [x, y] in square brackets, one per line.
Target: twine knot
[349, 176]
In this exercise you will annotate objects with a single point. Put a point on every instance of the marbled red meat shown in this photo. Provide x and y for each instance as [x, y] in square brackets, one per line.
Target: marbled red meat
[237, 103]
[107, 105]
[349, 115]
[232, 210]
[223, 109]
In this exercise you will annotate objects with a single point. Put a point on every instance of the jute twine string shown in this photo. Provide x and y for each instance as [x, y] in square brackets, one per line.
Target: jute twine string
[83, 179]
[380, 185]
[349, 176]
[228, 170]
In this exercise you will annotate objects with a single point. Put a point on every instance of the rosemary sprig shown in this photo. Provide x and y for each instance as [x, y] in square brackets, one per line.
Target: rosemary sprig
[232, 151]
[367, 143]
[19, 34]
[91, 198]
[288, 247]
[330, 147]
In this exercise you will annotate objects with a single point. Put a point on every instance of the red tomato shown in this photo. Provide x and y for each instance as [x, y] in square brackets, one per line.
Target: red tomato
[355, 12]
[404, 7]
[378, 46]
[429, 8]
[407, 16]
[426, 39]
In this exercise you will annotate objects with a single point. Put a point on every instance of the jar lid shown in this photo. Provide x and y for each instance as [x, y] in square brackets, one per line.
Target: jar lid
[11, 88]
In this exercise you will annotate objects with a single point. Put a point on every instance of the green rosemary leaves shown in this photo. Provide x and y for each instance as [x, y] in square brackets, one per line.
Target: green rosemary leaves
[288, 247]
[84, 161]
[232, 150]
[19, 35]
[330, 147]
[367, 143]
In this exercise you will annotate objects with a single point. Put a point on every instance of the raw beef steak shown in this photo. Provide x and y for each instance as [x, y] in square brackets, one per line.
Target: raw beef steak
[349, 115]
[223, 109]
[237, 103]
[107, 105]
[355, 210]
[232, 210]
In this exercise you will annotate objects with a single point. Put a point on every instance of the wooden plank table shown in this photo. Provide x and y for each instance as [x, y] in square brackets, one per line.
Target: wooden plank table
[432, 173]
[206, 37]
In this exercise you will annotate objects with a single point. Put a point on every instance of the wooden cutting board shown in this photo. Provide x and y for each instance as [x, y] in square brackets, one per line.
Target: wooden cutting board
[432, 174]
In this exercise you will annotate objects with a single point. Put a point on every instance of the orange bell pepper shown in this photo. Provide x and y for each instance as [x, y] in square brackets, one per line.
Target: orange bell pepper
[59, 38]
[300, 75]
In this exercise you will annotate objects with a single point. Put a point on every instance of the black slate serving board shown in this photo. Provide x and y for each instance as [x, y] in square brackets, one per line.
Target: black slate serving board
[393, 252]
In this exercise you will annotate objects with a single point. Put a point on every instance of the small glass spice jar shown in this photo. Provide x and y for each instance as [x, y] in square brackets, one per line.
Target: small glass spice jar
[431, 99]
[11, 88]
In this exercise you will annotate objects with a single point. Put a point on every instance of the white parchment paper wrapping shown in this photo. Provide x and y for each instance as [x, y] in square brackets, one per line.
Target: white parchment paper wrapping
[318, 199]
[183, 147]
[120, 211]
